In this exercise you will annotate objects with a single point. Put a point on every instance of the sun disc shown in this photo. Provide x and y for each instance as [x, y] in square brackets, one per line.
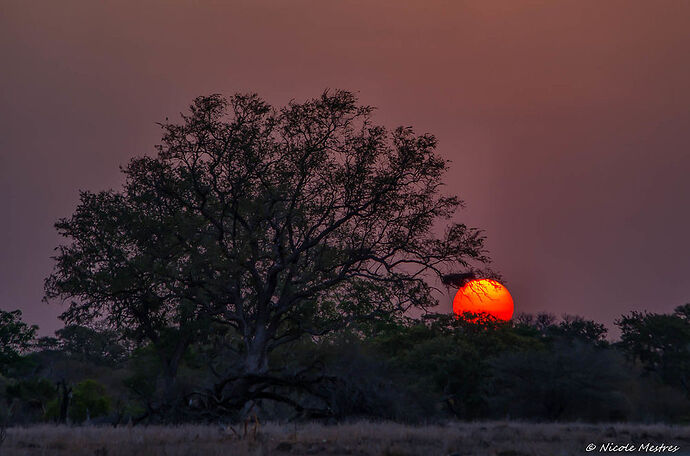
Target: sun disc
[484, 295]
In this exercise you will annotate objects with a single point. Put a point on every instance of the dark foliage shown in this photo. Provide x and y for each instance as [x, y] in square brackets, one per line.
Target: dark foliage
[660, 343]
[15, 338]
[569, 380]
[411, 370]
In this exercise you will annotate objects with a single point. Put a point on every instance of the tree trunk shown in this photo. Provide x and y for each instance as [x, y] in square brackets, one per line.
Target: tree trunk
[64, 400]
[171, 364]
[256, 360]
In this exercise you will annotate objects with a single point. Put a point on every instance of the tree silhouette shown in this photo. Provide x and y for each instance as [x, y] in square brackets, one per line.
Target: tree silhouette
[267, 225]
[660, 342]
[15, 337]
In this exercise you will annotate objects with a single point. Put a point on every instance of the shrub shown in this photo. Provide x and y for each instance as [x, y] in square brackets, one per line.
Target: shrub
[89, 400]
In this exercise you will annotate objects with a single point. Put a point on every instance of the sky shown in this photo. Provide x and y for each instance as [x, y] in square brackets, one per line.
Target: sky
[567, 122]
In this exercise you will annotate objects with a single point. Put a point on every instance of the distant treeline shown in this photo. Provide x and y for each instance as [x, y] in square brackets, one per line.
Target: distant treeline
[433, 368]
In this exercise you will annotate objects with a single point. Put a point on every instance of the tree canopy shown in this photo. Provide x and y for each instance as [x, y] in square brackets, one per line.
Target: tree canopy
[260, 226]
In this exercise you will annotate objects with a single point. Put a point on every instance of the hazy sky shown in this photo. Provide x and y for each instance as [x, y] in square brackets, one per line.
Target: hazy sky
[568, 122]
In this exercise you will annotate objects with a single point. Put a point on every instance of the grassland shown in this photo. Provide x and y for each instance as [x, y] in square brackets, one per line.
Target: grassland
[360, 438]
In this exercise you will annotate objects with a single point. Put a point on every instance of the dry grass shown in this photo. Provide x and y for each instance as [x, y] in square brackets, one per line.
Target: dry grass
[361, 438]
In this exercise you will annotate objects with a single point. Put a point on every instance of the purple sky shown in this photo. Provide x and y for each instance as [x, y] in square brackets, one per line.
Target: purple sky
[568, 122]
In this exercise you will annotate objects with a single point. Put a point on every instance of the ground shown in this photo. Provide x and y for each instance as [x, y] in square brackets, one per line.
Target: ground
[360, 438]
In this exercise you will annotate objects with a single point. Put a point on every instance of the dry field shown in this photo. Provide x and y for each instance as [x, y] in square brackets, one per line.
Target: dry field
[361, 438]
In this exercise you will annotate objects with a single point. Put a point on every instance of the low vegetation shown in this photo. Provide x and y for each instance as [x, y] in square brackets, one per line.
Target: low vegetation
[413, 371]
[358, 438]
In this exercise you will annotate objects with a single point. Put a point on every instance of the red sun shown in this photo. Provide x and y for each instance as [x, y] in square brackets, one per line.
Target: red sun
[484, 295]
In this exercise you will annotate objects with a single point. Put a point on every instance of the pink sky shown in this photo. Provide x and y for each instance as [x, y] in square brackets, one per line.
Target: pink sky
[568, 122]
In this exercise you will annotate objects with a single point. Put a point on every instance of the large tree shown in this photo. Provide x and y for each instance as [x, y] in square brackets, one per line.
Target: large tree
[270, 223]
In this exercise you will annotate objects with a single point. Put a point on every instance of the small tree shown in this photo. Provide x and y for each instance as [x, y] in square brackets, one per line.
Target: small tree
[661, 343]
[273, 224]
[15, 337]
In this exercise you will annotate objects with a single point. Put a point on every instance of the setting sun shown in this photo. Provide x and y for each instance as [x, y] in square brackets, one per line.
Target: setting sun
[484, 295]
